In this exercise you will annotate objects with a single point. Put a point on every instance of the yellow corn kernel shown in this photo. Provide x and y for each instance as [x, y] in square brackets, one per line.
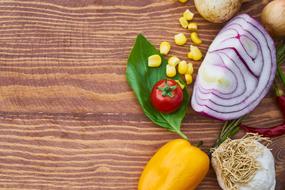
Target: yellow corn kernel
[183, 22]
[182, 1]
[190, 69]
[173, 61]
[188, 79]
[170, 71]
[164, 48]
[193, 26]
[188, 15]
[154, 61]
[182, 67]
[180, 39]
[182, 86]
[195, 38]
[195, 53]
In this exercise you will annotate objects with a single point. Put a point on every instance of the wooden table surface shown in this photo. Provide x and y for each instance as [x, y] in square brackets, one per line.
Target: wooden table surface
[68, 119]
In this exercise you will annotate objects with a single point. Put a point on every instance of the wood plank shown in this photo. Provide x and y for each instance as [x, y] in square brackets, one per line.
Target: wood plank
[68, 119]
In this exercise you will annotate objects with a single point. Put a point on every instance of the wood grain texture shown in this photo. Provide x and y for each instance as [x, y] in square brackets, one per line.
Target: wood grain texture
[68, 119]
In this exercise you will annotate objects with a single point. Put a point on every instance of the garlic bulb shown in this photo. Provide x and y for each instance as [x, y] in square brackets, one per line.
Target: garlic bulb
[263, 178]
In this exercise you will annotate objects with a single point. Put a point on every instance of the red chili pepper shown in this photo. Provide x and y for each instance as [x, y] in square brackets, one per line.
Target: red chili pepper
[266, 132]
[272, 131]
[281, 103]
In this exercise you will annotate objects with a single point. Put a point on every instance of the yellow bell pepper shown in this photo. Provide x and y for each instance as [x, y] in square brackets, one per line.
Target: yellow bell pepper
[176, 166]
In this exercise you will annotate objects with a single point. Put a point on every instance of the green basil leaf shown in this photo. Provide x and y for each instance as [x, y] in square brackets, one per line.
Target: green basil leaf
[142, 78]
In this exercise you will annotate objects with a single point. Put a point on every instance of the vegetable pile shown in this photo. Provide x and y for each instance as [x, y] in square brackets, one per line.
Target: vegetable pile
[235, 75]
[237, 71]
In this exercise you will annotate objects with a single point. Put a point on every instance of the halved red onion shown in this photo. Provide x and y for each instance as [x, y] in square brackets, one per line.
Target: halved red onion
[237, 71]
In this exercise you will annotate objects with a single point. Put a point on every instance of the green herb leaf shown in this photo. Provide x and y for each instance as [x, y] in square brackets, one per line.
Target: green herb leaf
[280, 59]
[281, 74]
[142, 78]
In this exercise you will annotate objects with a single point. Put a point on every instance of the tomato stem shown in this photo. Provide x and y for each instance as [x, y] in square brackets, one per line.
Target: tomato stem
[167, 90]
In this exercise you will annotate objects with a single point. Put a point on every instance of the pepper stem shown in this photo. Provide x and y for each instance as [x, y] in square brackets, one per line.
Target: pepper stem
[198, 144]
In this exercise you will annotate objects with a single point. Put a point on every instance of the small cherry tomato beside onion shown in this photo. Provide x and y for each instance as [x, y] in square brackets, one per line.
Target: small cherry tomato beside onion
[166, 96]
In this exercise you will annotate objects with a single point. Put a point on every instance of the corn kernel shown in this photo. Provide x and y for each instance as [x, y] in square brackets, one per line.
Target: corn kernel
[180, 39]
[182, 86]
[182, 1]
[154, 61]
[190, 69]
[195, 53]
[165, 48]
[173, 61]
[183, 22]
[193, 26]
[188, 15]
[195, 38]
[182, 67]
[170, 71]
[188, 79]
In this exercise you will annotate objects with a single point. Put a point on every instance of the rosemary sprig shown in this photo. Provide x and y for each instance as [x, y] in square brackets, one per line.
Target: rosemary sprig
[280, 60]
[230, 129]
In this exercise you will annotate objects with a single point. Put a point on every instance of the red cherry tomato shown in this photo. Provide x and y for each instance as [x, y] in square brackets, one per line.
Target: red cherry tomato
[166, 96]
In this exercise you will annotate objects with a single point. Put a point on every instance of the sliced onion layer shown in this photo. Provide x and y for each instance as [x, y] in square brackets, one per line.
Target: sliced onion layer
[237, 71]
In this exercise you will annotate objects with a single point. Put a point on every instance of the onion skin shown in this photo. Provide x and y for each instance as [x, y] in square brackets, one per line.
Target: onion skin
[273, 17]
[237, 72]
